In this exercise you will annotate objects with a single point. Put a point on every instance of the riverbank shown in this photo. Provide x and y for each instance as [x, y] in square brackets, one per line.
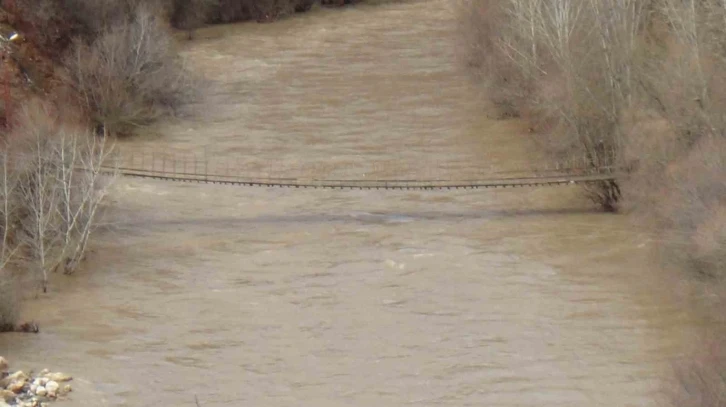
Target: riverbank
[31, 390]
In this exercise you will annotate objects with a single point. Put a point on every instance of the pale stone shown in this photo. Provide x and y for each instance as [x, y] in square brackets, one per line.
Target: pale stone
[17, 386]
[52, 385]
[33, 387]
[4, 404]
[58, 377]
[3, 364]
[41, 391]
[66, 389]
[18, 375]
[43, 372]
[52, 388]
[7, 395]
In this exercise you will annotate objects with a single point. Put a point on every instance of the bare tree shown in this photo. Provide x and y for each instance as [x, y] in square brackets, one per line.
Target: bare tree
[570, 67]
[61, 187]
[8, 206]
[83, 185]
[40, 196]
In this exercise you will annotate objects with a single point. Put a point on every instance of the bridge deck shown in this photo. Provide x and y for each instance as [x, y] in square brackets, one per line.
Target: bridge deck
[400, 184]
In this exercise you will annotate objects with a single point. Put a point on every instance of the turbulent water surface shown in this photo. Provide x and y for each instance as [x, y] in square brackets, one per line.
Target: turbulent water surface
[267, 297]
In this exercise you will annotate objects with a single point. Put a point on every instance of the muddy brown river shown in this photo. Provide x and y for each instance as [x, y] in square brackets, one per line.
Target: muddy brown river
[279, 297]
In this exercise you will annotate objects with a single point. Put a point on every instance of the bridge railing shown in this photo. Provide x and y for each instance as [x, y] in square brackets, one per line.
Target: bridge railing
[201, 165]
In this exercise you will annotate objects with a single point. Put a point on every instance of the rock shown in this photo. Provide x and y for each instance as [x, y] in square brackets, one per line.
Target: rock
[37, 382]
[7, 396]
[18, 375]
[4, 404]
[52, 388]
[41, 391]
[3, 364]
[66, 389]
[17, 386]
[43, 372]
[52, 385]
[58, 377]
[33, 387]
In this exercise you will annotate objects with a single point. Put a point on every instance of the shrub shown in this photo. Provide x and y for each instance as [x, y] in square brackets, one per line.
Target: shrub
[9, 306]
[130, 75]
[225, 11]
[94, 17]
[567, 66]
[189, 15]
[639, 84]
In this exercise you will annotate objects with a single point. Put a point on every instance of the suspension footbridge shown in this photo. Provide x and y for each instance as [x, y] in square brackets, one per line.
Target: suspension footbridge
[190, 168]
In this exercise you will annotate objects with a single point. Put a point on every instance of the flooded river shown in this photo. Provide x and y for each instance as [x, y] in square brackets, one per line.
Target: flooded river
[269, 297]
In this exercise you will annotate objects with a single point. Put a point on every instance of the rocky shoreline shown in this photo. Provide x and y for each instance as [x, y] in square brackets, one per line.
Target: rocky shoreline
[31, 390]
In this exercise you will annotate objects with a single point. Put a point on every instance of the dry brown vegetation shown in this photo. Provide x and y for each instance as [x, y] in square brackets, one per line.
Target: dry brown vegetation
[567, 67]
[115, 69]
[116, 59]
[9, 308]
[225, 11]
[637, 84]
[51, 193]
[129, 75]
[119, 55]
[113, 65]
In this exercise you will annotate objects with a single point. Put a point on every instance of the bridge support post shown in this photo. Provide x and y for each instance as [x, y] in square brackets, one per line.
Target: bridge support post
[206, 163]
